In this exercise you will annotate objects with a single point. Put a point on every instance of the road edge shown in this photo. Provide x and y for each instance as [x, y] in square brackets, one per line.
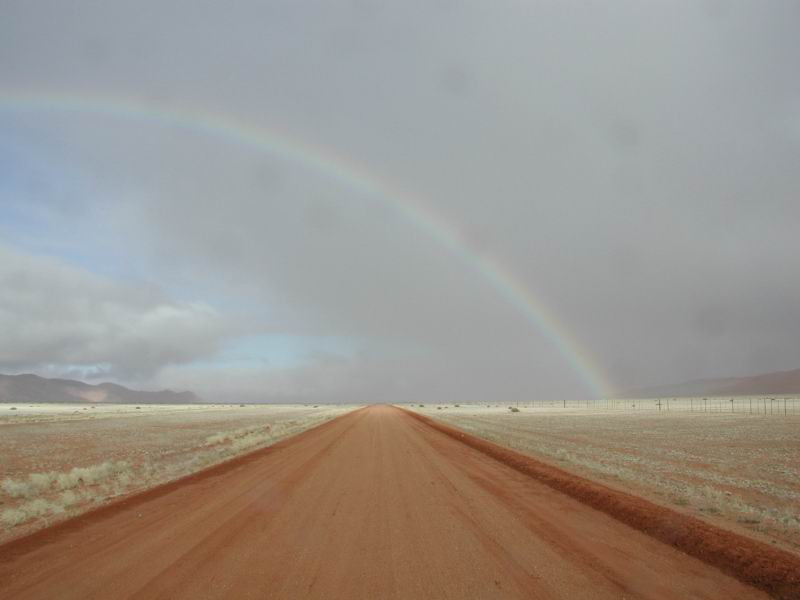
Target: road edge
[751, 561]
[24, 544]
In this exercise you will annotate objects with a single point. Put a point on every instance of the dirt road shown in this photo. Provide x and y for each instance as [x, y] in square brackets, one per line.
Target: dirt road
[375, 504]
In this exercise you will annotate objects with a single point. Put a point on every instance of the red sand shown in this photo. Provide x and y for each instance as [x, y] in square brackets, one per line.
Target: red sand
[375, 504]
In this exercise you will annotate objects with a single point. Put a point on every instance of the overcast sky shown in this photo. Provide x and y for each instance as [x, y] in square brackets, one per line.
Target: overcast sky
[632, 166]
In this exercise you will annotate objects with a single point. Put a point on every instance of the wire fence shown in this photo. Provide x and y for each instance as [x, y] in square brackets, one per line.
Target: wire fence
[756, 405]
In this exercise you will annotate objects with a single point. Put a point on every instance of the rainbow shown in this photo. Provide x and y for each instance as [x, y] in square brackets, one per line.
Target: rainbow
[347, 172]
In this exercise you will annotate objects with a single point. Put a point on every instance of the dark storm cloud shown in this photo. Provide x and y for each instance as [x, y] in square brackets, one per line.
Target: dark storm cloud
[635, 164]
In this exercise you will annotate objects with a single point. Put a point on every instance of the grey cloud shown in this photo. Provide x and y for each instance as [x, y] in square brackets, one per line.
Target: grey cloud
[634, 164]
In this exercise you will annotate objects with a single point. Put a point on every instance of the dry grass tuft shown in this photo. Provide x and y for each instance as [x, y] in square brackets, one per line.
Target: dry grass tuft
[33, 486]
[32, 509]
[112, 476]
[94, 474]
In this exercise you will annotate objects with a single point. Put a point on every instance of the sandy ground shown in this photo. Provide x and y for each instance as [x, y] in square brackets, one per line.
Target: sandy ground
[14, 412]
[374, 504]
[119, 449]
[738, 470]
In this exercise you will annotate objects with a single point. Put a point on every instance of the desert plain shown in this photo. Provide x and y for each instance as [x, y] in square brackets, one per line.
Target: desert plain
[387, 501]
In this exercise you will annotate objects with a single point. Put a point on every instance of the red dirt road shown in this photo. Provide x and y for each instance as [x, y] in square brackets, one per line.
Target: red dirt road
[375, 504]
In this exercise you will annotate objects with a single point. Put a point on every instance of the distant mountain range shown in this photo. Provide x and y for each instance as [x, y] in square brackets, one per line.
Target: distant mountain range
[35, 389]
[780, 382]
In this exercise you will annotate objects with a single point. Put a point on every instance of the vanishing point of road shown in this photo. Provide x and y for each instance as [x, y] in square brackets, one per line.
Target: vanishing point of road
[375, 504]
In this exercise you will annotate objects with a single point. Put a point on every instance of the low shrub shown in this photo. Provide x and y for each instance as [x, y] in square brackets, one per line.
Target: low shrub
[92, 475]
[35, 485]
[33, 509]
[13, 516]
